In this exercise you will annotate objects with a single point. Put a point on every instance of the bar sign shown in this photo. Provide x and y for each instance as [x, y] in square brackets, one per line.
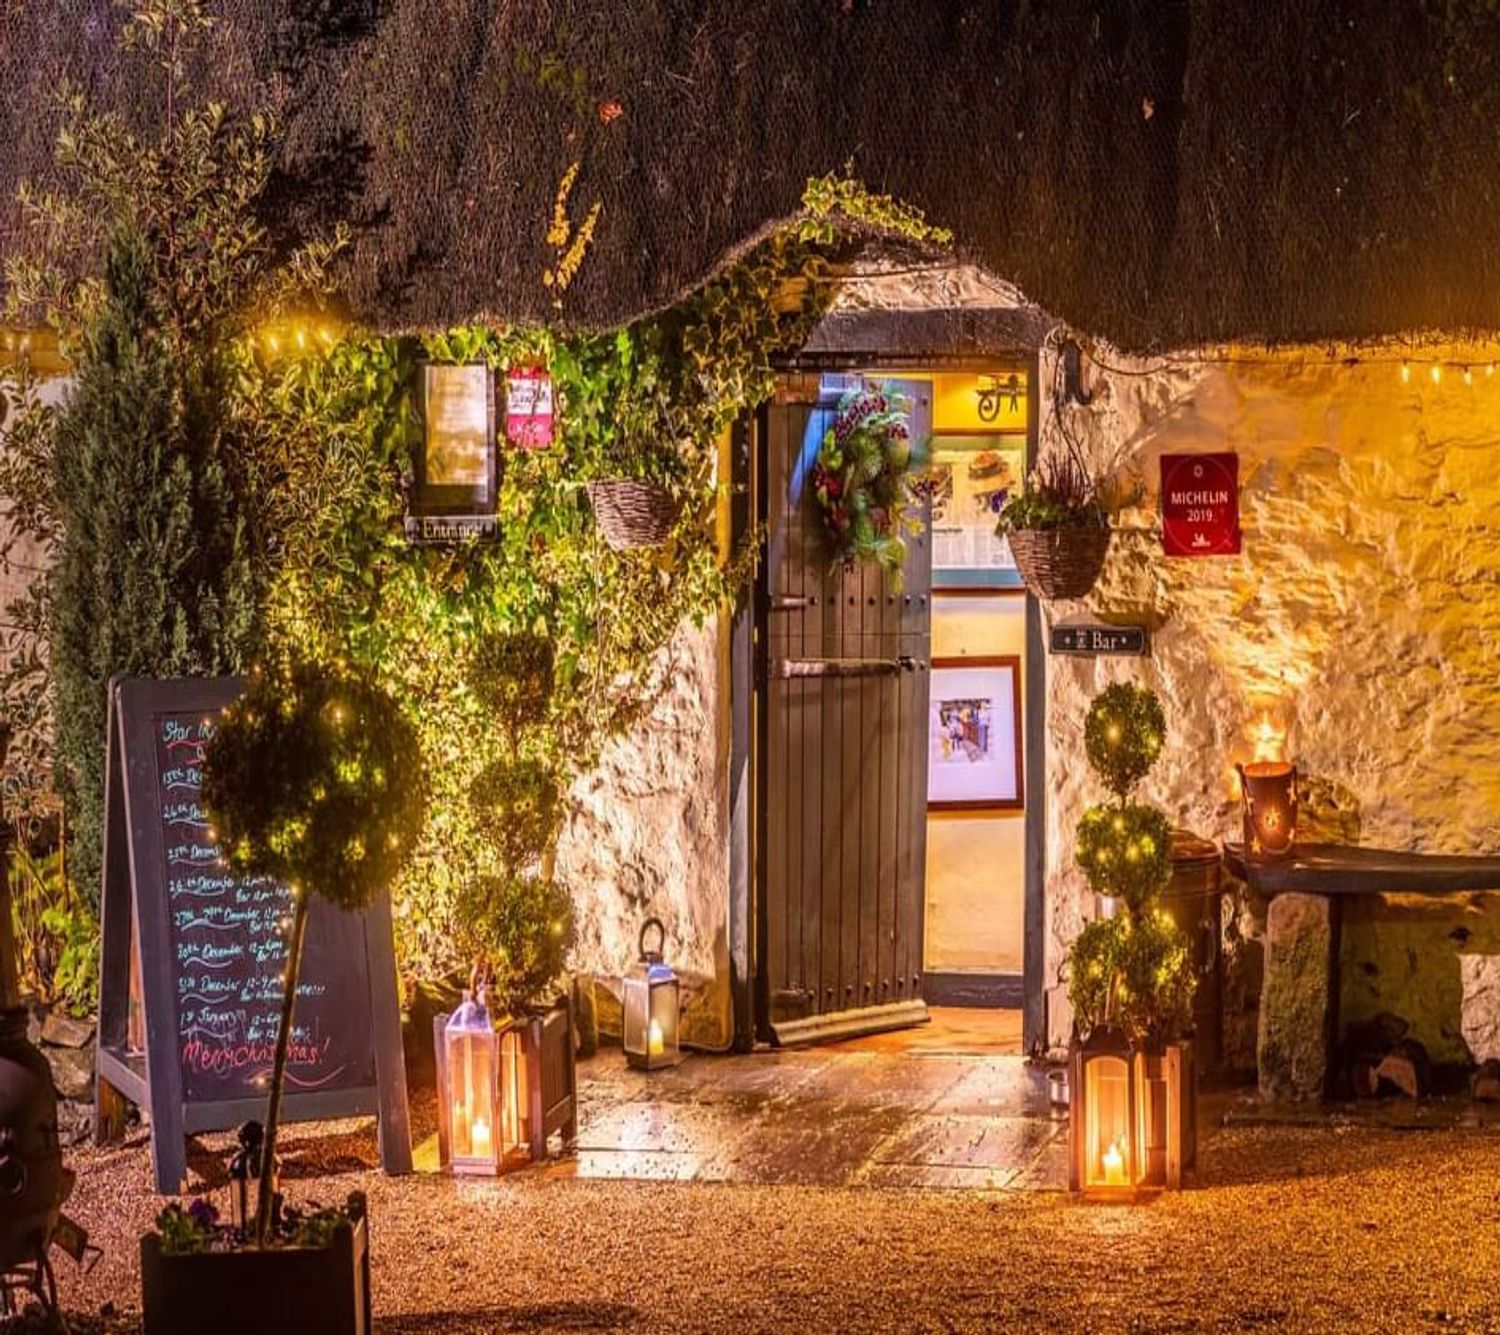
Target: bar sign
[1100, 641]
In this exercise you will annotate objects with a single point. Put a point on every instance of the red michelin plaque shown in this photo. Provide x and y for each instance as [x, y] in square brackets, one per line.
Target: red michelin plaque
[1200, 504]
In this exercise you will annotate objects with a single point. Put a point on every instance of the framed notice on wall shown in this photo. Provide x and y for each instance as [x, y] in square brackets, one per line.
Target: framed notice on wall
[973, 473]
[456, 470]
[974, 734]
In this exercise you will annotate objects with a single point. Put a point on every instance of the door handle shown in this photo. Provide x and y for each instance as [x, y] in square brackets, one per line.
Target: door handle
[788, 668]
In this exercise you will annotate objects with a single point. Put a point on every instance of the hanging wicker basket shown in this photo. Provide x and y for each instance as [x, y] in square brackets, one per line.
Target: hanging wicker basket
[633, 514]
[1060, 562]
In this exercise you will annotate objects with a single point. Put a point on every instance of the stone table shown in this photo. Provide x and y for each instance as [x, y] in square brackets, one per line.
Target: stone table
[1298, 1031]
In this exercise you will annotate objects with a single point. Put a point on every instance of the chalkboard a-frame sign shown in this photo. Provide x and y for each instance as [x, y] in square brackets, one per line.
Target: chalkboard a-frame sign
[211, 957]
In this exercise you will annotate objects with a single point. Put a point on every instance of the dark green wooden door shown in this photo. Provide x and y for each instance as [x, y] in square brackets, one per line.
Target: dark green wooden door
[844, 693]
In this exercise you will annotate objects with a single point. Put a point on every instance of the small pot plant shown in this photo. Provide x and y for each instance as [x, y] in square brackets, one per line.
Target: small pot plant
[1130, 978]
[1058, 528]
[867, 479]
[314, 778]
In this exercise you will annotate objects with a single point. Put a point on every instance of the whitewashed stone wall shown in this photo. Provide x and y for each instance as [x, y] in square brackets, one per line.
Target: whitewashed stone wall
[1361, 621]
[649, 837]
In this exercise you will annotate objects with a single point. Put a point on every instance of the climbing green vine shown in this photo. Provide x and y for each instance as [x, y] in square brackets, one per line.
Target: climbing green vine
[443, 628]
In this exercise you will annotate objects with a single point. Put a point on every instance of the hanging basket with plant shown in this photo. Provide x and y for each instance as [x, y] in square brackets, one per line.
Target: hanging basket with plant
[864, 481]
[1058, 529]
[633, 513]
[643, 456]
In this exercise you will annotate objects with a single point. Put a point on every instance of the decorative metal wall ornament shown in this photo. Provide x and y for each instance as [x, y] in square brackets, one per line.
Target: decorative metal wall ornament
[996, 390]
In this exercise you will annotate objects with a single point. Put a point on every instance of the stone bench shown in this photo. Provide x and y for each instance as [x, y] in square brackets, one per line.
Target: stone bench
[1299, 1026]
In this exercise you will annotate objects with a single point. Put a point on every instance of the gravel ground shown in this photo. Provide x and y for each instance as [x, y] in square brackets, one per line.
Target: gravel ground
[1294, 1228]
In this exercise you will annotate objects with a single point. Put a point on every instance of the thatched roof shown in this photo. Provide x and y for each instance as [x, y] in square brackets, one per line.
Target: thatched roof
[1160, 172]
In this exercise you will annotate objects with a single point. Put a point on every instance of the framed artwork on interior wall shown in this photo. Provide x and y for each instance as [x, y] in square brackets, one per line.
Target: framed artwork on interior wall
[455, 464]
[973, 472]
[974, 734]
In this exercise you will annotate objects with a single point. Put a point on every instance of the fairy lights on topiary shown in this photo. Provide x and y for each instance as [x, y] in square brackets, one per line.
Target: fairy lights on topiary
[315, 778]
[1130, 970]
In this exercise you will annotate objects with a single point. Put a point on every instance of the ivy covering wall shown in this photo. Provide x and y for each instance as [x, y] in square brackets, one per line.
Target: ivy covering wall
[515, 659]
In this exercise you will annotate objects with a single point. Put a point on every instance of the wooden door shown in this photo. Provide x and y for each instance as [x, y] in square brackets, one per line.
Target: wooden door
[843, 791]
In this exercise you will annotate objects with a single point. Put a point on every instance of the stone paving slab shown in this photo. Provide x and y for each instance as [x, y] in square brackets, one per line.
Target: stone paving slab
[833, 1116]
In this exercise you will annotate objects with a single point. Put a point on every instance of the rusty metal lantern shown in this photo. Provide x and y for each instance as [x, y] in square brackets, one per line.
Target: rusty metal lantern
[481, 1081]
[1268, 794]
[1105, 1158]
[652, 997]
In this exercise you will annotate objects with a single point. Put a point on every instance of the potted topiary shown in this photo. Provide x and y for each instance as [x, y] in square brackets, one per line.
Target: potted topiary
[1058, 529]
[863, 481]
[514, 917]
[1129, 972]
[314, 778]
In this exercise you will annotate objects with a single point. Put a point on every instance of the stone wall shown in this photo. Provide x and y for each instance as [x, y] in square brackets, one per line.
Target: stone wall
[1358, 631]
[649, 836]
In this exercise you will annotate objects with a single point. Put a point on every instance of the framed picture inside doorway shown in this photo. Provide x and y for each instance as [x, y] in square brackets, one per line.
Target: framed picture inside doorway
[974, 735]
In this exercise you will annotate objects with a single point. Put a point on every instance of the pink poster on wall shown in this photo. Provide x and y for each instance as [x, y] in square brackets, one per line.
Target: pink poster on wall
[528, 408]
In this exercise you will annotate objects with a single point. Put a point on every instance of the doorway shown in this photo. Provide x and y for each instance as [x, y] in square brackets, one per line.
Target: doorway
[870, 902]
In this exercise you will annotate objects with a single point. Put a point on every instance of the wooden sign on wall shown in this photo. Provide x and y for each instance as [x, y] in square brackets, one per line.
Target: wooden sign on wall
[210, 955]
[1099, 641]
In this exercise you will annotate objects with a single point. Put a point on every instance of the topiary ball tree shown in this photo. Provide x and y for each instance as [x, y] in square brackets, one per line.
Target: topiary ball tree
[1123, 735]
[1126, 852]
[1131, 971]
[312, 777]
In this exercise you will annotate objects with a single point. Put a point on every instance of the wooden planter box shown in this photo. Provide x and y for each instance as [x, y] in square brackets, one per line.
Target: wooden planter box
[1166, 1085]
[290, 1290]
[552, 1076]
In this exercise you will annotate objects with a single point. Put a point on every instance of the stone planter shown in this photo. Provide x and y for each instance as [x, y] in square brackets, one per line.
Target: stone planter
[291, 1290]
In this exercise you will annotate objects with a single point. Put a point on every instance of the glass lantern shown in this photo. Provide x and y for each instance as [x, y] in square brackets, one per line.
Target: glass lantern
[481, 1080]
[1104, 1123]
[652, 999]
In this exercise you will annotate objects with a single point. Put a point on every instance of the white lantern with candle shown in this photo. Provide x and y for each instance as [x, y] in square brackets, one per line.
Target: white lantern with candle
[481, 1080]
[652, 999]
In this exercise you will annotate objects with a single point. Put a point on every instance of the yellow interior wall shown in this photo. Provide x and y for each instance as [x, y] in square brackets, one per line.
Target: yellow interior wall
[976, 860]
[955, 403]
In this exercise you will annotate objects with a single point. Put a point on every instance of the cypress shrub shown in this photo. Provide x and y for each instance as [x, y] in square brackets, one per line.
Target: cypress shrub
[153, 576]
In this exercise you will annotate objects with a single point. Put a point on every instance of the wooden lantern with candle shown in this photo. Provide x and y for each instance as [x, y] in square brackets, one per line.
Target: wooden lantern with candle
[1105, 1155]
[482, 1091]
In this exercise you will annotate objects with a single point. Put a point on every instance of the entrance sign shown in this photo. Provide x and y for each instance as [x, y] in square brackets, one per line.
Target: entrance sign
[211, 956]
[1099, 641]
[1200, 504]
[456, 472]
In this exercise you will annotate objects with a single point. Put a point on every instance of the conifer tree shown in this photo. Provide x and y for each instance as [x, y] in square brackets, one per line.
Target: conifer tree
[153, 576]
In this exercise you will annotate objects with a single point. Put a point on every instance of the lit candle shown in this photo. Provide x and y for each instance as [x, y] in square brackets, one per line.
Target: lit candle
[479, 1136]
[1114, 1166]
[655, 1042]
